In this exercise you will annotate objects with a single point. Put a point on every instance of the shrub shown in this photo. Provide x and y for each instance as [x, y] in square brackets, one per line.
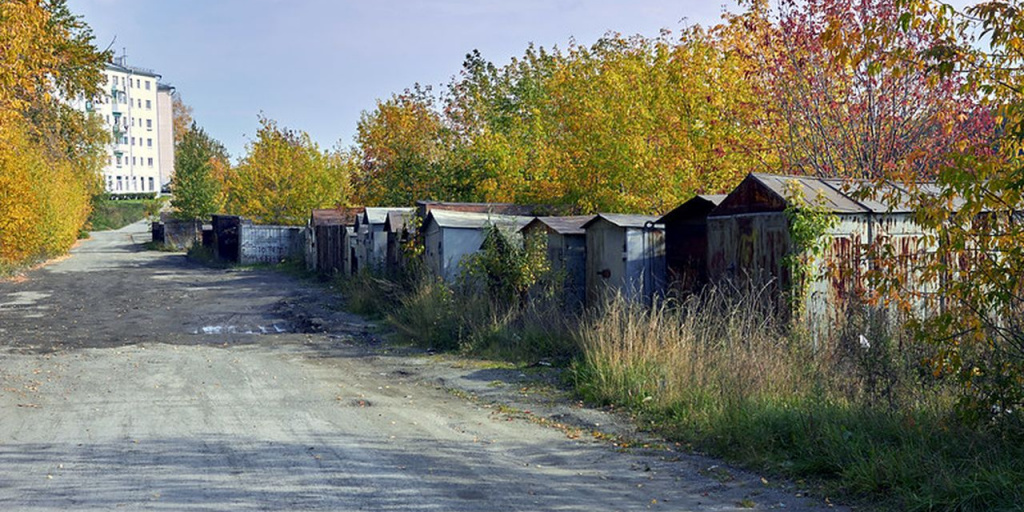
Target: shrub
[107, 214]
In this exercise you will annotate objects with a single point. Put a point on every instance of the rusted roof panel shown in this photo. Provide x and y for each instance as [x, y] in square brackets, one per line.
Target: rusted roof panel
[473, 220]
[334, 216]
[570, 225]
[812, 190]
[378, 215]
[874, 197]
[397, 220]
[425, 207]
[760, 192]
[625, 220]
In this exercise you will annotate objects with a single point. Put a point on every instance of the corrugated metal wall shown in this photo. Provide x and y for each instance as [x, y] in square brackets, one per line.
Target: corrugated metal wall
[753, 247]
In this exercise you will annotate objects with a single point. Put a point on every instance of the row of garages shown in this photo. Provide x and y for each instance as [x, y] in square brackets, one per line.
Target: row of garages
[742, 236]
[594, 253]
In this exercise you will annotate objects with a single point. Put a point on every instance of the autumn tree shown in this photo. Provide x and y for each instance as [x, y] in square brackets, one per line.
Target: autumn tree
[629, 124]
[50, 153]
[284, 175]
[497, 118]
[402, 149]
[197, 190]
[974, 311]
[640, 124]
[842, 105]
[181, 117]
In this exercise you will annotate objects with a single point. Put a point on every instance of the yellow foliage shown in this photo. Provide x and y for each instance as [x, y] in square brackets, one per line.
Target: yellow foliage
[283, 176]
[42, 204]
[49, 153]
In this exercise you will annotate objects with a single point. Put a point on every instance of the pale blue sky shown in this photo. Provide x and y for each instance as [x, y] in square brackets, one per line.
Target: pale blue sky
[314, 65]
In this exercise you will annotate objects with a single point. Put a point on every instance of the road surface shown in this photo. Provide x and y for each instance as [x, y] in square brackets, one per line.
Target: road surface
[137, 380]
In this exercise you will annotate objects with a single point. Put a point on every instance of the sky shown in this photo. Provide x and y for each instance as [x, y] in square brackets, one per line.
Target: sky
[316, 65]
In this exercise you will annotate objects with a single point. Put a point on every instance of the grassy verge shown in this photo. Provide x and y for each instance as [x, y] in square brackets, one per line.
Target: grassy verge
[429, 313]
[110, 214]
[865, 424]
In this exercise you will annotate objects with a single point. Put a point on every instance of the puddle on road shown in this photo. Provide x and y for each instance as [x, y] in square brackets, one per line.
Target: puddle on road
[22, 299]
[275, 328]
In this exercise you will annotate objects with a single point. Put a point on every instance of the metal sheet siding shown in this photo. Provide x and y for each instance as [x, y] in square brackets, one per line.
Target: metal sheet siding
[750, 246]
[269, 244]
[574, 263]
[432, 241]
[645, 263]
[606, 254]
[458, 244]
[330, 248]
[630, 261]
[754, 246]
[349, 244]
[567, 255]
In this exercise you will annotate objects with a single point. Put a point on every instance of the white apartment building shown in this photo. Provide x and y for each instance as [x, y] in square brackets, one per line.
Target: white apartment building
[136, 108]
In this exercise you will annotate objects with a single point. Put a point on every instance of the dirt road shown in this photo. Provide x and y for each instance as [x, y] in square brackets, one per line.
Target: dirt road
[137, 380]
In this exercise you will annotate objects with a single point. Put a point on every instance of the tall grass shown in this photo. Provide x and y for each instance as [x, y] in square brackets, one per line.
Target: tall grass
[430, 313]
[853, 413]
[719, 372]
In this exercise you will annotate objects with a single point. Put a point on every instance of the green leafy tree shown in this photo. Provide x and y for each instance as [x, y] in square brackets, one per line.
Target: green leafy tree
[498, 119]
[284, 175]
[640, 124]
[197, 190]
[509, 265]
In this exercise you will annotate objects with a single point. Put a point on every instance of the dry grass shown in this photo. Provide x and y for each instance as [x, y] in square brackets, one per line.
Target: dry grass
[660, 355]
[719, 372]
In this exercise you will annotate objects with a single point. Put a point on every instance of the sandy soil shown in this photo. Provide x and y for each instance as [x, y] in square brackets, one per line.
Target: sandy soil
[137, 380]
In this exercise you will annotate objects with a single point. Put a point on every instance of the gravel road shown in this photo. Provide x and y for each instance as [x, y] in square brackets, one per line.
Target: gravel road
[137, 380]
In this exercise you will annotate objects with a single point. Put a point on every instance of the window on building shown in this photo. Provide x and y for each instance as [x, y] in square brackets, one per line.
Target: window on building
[150, 162]
[147, 85]
[133, 163]
[149, 104]
[133, 141]
[149, 124]
[152, 186]
[119, 186]
[119, 163]
[138, 83]
[149, 143]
